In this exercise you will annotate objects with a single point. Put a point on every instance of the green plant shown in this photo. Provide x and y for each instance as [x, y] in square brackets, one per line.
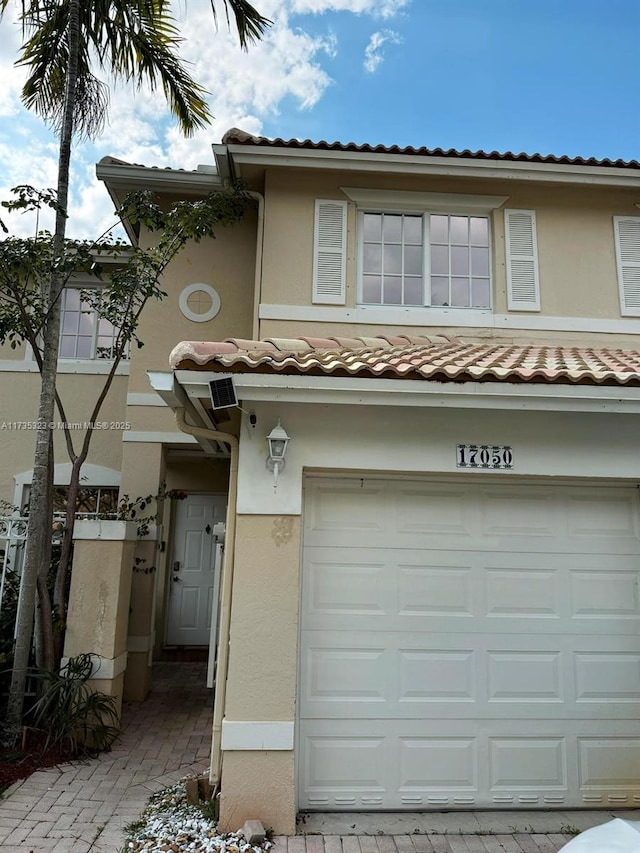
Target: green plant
[70, 713]
[130, 510]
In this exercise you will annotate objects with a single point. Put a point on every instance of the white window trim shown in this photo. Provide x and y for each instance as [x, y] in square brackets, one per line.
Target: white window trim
[95, 476]
[407, 201]
[376, 195]
[89, 366]
[380, 315]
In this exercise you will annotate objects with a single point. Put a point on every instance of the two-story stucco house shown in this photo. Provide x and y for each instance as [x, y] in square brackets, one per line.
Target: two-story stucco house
[433, 603]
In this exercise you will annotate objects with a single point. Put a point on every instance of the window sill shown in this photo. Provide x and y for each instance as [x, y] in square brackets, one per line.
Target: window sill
[87, 366]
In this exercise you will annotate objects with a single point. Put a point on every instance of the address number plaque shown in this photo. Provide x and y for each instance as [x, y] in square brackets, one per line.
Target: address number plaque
[484, 456]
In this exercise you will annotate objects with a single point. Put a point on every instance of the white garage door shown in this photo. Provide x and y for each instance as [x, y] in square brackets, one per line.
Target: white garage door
[469, 645]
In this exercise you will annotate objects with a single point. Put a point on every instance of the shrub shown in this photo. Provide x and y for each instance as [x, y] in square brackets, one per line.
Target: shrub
[72, 715]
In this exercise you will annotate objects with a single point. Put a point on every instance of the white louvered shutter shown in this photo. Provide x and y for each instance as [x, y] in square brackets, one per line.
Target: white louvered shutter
[627, 230]
[330, 252]
[523, 286]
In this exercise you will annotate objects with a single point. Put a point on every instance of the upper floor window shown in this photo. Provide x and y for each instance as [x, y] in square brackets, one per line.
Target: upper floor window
[83, 334]
[431, 259]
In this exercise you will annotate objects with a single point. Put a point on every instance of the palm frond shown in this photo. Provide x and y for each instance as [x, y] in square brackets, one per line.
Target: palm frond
[250, 24]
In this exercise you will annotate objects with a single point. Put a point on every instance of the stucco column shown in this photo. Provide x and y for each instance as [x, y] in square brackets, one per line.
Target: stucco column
[143, 471]
[99, 599]
[258, 726]
[140, 639]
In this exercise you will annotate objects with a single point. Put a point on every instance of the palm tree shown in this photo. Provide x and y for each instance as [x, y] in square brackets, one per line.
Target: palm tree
[134, 40]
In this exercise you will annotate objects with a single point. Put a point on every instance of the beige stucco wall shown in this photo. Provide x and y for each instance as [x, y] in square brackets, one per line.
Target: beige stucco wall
[575, 244]
[258, 786]
[226, 263]
[264, 618]
[261, 684]
[19, 396]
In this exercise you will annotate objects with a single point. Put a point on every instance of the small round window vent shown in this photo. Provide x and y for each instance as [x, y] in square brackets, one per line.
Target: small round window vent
[199, 302]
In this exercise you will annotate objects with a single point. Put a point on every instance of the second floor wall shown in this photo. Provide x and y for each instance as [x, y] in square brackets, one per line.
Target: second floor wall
[526, 257]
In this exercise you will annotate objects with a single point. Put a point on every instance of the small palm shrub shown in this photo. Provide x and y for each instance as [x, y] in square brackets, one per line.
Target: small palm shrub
[71, 714]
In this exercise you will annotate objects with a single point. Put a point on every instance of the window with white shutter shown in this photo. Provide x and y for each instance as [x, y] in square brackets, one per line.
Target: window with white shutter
[523, 286]
[330, 252]
[627, 231]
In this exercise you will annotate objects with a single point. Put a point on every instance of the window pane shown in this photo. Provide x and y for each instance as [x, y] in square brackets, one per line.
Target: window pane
[439, 291]
[104, 348]
[413, 260]
[392, 228]
[372, 226]
[413, 229]
[481, 293]
[413, 291]
[372, 289]
[459, 230]
[479, 261]
[84, 348]
[439, 229]
[459, 260]
[479, 231]
[460, 292]
[440, 260]
[86, 324]
[70, 322]
[67, 347]
[392, 290]
[392, 259]
[105, 327]
[372, 257]
[72, 299]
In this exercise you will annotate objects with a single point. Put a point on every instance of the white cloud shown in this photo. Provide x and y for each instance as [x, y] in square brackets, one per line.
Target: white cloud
[377, 8]
[290, 66]
[373, 51]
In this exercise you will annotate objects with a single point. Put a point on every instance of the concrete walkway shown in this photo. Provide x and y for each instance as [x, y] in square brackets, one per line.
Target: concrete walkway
[84, 806]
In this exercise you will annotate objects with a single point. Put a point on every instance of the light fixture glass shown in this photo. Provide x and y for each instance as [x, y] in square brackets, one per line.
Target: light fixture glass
[277, 441]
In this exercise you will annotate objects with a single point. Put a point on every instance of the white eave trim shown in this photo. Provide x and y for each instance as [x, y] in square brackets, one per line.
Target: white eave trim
[260, 387]
[415, 164]
[127, 176]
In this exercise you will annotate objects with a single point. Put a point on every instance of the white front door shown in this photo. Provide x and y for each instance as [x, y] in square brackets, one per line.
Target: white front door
[194, 570]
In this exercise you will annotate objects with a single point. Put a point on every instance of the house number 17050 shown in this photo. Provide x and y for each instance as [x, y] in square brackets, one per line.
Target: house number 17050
[484, 456]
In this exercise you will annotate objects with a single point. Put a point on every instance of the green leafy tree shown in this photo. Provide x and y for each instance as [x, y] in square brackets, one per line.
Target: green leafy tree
[132, 40]
[134, 277]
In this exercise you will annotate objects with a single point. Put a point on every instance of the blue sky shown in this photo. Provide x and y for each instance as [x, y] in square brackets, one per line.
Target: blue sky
[549, 76]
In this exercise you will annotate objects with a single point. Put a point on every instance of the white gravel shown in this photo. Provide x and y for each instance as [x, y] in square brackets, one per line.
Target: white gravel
[170, 823]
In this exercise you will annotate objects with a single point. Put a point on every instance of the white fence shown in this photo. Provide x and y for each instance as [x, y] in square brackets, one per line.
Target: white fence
[13, 537]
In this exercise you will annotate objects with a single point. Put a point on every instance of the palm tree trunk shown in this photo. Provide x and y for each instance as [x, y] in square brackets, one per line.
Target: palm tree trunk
[39, 514]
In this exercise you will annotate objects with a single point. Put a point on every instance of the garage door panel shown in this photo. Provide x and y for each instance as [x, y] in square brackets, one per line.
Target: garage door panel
[525, 762]
[358, 587]
[607, 677]
[405, 767]
[604, 594]
[408, 675]
[477, 646]
[338, 585]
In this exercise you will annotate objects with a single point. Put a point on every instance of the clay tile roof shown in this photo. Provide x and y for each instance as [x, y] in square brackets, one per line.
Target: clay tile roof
[235, 136]
[417, 358]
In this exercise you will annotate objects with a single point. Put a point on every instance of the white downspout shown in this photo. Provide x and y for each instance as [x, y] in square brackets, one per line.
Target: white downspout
[257, 287]
[225, 591]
